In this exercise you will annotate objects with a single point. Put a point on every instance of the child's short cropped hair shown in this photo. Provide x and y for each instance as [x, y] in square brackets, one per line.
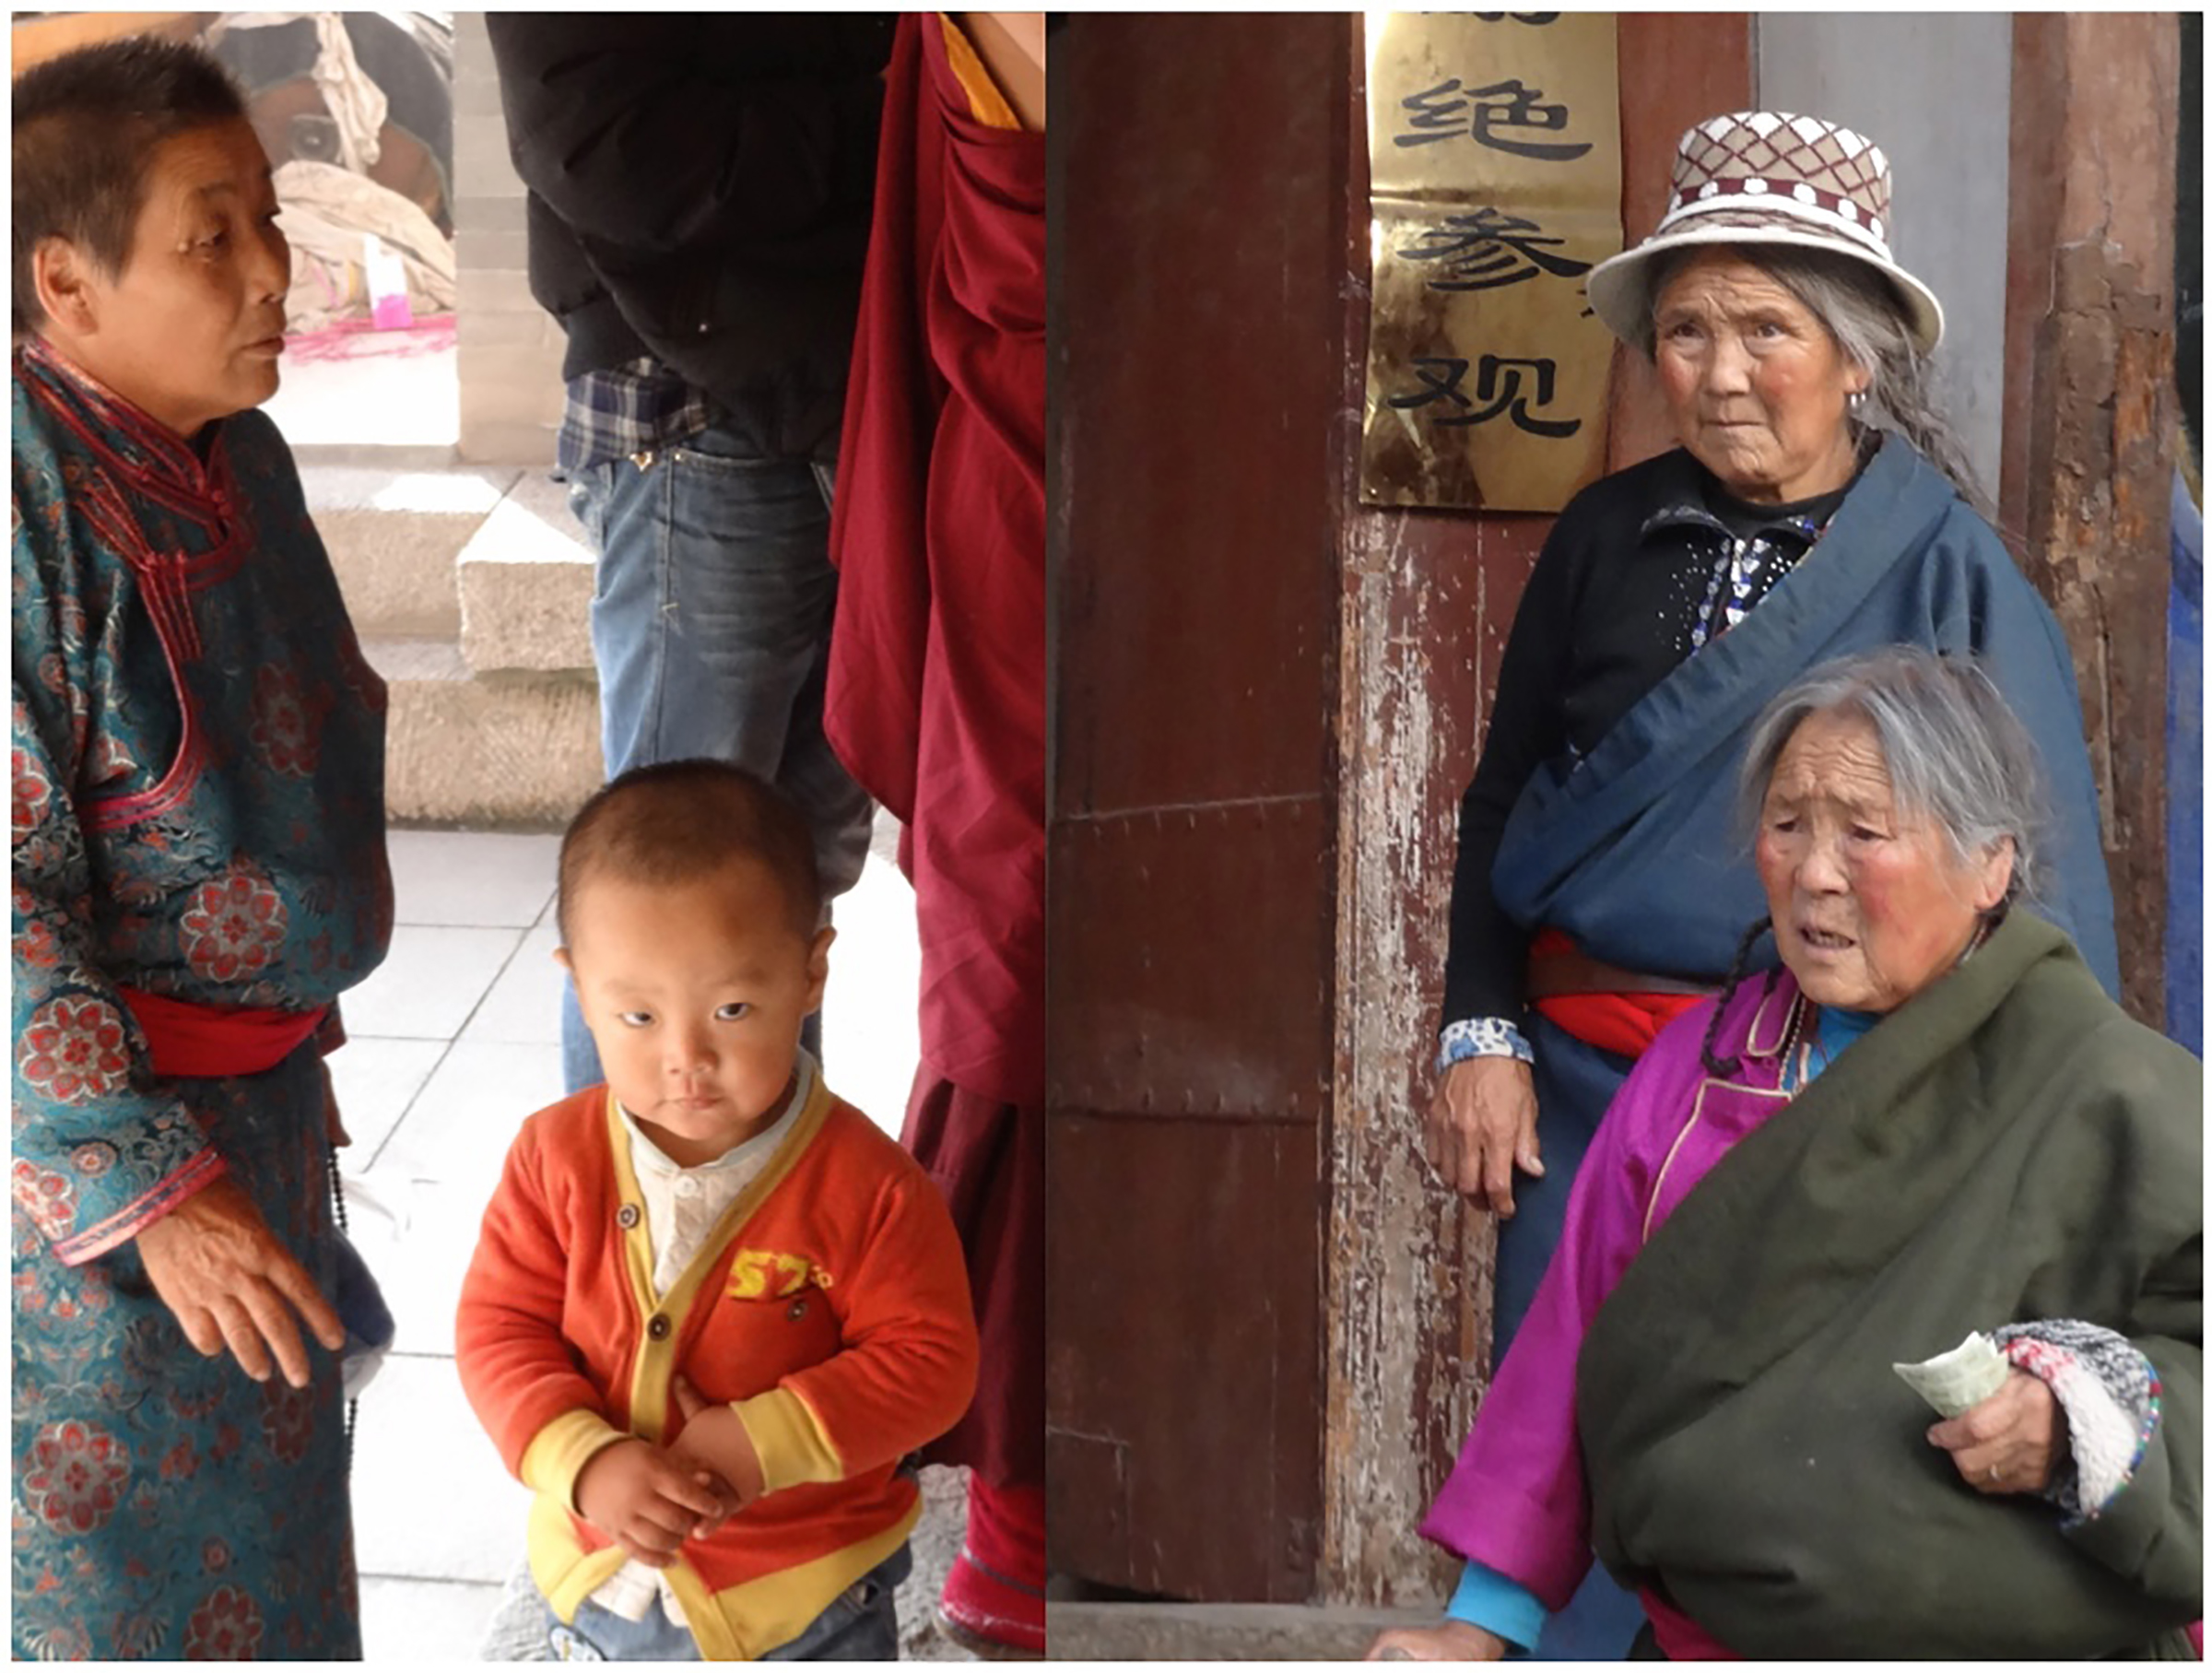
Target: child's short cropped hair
[677, 822]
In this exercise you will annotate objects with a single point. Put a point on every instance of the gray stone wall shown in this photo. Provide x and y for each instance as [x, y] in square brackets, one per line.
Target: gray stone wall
[509, 348]
[1935, 91]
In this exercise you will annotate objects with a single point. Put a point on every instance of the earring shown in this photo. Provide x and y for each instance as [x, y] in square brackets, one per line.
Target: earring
[1856, 401]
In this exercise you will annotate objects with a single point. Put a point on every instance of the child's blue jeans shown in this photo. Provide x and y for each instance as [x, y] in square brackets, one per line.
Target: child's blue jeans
[860, 1625]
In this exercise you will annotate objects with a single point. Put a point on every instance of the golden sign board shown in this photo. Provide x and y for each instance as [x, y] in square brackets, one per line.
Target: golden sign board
[1494, 153]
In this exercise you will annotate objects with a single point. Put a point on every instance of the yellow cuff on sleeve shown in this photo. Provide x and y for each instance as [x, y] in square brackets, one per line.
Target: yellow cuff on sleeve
[558, 1452]
[789, 1439]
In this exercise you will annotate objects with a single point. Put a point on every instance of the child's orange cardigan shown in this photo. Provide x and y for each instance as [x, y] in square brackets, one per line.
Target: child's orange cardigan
[829, 1303]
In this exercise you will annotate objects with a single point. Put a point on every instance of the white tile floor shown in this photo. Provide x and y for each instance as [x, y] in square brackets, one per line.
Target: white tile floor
[451, 1044]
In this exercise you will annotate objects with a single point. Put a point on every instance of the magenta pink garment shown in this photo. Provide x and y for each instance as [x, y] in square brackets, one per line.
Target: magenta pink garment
[935, 698]
[1516, 1500]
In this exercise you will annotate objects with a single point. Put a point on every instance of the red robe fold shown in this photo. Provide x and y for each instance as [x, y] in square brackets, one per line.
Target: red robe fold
[935, 698]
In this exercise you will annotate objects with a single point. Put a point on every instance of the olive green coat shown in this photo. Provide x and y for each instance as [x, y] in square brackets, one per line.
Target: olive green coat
[2006, 1147]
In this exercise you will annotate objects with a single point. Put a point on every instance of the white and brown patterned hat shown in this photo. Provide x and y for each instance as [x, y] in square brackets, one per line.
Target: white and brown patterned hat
[1761, 177]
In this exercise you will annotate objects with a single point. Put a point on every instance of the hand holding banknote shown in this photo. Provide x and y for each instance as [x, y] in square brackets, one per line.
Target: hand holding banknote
[2002, 1427]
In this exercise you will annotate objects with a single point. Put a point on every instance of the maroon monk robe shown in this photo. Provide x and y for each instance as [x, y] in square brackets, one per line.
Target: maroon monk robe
[935, 698]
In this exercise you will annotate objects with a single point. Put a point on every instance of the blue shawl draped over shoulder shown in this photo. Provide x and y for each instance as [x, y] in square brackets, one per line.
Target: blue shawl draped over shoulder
[1632, 850]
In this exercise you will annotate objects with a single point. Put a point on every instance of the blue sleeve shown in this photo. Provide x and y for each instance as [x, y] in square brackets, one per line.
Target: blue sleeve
[1487, 1600]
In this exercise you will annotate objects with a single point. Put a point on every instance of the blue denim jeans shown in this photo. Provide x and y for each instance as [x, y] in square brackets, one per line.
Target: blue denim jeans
[711, 629]
[860, 1625]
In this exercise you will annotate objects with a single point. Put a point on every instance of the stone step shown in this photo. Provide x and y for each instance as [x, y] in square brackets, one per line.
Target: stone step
[395, 535]
[513, 750]
[525, 581]
[1218, 1631]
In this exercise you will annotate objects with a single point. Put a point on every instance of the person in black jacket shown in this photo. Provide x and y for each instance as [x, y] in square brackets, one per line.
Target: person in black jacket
[700, 191]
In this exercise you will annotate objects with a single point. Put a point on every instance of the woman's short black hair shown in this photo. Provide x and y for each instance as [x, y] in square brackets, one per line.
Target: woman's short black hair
[85, 126]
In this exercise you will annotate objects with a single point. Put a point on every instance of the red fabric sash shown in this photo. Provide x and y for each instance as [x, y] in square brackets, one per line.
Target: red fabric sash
[213, 1041]
[1625, 1024]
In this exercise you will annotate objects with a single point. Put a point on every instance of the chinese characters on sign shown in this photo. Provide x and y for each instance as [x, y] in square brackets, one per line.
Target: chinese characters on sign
[1493, 371]
[1494, 145]
[1487, 248]
[1444, 111]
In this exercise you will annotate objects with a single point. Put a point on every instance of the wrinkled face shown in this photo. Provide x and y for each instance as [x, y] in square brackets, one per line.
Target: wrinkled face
[694, 994]
[1869, 905]
[191, 329]
[1755, 386]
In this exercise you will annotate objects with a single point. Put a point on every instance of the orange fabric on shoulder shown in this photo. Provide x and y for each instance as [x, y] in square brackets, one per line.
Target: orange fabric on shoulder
[985, 103]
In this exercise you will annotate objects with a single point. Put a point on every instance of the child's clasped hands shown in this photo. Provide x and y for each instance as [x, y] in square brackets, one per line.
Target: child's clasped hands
[649, 1499]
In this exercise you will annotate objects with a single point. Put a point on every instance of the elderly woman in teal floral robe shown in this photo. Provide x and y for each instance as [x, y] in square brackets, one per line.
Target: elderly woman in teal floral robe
[199, 870]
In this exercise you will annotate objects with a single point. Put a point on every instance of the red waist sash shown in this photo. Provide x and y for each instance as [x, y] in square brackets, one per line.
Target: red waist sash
[209, 1041]
[1623, 1024]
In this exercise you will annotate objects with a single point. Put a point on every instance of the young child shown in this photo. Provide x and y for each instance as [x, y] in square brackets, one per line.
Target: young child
[711, 1305]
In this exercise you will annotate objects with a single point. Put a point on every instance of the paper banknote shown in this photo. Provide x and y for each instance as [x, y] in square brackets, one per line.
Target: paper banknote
[1964, 1377]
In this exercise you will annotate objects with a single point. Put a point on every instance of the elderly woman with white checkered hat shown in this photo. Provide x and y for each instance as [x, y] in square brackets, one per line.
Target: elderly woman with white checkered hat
[1818, 506]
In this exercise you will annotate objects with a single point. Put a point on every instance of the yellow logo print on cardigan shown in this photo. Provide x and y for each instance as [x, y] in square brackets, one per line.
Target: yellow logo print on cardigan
[758, 1274]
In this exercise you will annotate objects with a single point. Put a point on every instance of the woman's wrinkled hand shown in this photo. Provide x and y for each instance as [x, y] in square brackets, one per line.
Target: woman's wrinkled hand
[217, 1267]
[1447, 1640]
[1482, 1124]
[2009, 1443]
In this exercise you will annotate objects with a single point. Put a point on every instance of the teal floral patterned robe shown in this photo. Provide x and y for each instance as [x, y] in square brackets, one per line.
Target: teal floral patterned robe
[198, 814]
